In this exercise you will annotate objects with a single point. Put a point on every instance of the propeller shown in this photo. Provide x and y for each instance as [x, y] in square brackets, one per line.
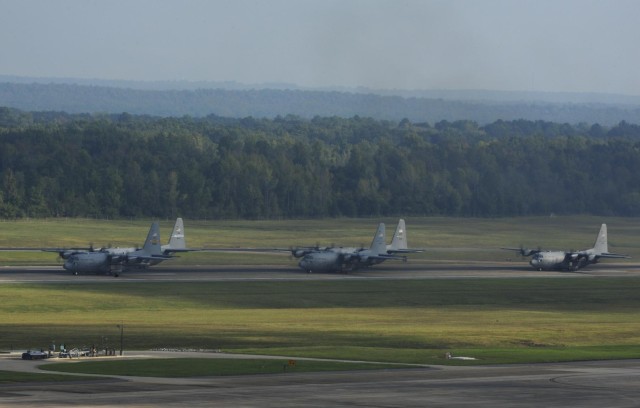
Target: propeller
[528, 252]
[522, 250]
[299, 252]
[296, 252]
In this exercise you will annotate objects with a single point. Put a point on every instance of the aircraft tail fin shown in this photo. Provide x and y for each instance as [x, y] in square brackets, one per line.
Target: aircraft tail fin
[379, 244]
[601, 246]
[399, 240]
[152, 244]
[177, 239]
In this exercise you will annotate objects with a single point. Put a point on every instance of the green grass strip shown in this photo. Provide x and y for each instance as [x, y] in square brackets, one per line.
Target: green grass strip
[11, 377]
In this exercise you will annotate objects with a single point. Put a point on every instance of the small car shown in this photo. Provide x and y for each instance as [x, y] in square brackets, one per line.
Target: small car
[34, 355]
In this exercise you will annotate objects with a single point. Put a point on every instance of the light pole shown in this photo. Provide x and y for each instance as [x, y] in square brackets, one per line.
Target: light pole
[121, 326]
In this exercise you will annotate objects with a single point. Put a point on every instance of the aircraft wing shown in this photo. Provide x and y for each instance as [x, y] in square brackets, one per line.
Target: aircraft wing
[574, 256]
[612, 255]
[523, 251]
[50, 249]
[301, 251]
[26, 249]
[62, 252]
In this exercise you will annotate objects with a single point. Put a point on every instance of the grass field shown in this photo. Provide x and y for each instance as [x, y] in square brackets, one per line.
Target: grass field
[495, 320]
[12, 377]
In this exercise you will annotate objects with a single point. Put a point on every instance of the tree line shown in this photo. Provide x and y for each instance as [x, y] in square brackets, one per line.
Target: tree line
[304, 103]
[80, 165]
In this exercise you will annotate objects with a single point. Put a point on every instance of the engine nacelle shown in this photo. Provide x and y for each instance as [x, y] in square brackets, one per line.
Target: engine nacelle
[299, 253]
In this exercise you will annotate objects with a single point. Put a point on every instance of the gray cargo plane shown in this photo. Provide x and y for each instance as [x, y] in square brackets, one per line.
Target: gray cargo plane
[342, 259]
[398, 244]
[114, 260]
[570, 260]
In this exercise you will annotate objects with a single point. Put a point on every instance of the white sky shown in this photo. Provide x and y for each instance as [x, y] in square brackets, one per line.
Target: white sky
[528, 45]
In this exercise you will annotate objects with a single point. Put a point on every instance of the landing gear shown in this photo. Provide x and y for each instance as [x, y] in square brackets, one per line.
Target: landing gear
[116, 271]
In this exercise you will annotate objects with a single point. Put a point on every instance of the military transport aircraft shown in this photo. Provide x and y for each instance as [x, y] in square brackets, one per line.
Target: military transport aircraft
[398, 244]
[570, 260]
[114, 260]
[341, 259]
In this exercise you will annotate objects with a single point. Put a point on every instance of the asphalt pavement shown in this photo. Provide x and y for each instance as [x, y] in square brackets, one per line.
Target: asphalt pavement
[584, 384]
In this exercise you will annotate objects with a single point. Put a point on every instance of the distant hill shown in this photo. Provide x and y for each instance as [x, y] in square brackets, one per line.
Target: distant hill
[235, 100]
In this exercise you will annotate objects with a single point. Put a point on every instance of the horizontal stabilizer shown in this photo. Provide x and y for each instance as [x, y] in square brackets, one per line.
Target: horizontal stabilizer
[611, 255]
[149, 258]
[405, 251]
[172, 250]
[388, 257]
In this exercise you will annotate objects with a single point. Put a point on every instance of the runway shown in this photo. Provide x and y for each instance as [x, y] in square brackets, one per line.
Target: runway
[586, 384]
[424, 270]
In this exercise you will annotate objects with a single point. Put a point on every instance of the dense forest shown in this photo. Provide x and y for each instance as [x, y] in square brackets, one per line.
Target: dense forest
[269, 103]
[58, 164]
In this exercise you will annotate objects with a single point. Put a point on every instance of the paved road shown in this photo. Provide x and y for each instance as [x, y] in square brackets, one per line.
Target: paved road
[587, 384]
[426, 270]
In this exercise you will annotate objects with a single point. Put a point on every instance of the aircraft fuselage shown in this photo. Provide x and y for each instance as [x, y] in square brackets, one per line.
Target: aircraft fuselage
[560, 260]
[337, 259]
[322, 261]
[88, 262]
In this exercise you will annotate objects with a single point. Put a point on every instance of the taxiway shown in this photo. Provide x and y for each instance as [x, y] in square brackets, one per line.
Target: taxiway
[426, 270]
[612, 384]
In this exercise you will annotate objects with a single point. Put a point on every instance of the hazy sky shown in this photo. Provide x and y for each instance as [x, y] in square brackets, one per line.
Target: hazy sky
[538, 45]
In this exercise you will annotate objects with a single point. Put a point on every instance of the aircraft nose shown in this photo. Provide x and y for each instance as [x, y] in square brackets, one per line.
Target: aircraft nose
[534, 262]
